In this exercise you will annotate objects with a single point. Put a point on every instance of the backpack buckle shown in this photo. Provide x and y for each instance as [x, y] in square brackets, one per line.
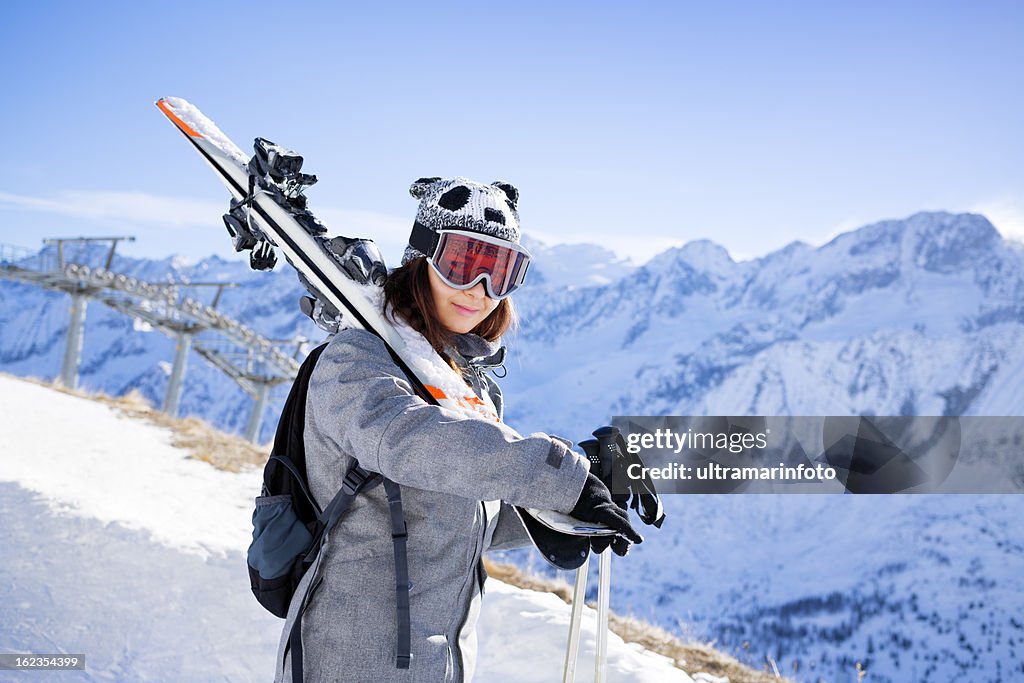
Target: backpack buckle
[355, 478]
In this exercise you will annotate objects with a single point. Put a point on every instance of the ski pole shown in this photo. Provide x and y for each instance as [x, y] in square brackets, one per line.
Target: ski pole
[601, 459]
[608, 451]
[604, 577]
[579, 593]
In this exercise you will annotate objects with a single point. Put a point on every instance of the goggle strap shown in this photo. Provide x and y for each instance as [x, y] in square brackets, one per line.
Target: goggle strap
[423, 239]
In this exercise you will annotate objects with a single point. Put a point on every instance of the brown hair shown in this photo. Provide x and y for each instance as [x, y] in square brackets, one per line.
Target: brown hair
[407, 294]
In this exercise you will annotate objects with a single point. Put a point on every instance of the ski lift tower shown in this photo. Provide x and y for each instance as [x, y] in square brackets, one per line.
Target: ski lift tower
[80, 293]
[254, 362]
[184, 331]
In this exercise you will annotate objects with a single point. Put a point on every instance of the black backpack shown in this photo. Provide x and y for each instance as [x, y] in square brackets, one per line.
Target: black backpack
[289, 529]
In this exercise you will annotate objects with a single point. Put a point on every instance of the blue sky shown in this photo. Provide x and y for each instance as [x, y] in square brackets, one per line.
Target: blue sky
[637, 126]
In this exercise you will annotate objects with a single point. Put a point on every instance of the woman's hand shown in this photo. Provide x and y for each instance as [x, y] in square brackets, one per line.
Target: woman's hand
[595, 504]
[598, 544]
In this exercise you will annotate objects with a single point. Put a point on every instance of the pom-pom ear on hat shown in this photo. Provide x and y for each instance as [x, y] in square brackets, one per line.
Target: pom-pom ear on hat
[508, 189]
[419, 188]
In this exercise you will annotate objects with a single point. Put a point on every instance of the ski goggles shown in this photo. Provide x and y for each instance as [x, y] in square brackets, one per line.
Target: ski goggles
[462, 259]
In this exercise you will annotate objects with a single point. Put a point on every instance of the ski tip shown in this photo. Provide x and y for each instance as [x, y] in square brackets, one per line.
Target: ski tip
[165, 104]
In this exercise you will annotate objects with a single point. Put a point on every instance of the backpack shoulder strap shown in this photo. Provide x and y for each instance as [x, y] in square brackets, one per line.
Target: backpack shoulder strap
[399, 536]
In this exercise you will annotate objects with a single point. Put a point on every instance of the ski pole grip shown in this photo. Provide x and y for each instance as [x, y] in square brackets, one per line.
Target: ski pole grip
[608, 450]
[593, 452]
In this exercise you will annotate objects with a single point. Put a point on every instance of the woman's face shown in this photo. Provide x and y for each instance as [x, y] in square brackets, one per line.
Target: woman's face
[460, 310]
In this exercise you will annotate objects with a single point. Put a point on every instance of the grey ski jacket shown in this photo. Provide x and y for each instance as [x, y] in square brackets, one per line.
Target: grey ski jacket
[360, 406]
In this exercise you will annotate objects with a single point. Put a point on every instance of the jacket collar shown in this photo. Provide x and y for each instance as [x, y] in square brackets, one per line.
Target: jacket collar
[479, 352]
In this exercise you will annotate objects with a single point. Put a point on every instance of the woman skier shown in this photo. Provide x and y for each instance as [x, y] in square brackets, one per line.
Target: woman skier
[459, 468]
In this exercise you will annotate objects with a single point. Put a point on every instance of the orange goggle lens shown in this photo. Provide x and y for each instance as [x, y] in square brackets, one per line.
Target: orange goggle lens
[463, 259]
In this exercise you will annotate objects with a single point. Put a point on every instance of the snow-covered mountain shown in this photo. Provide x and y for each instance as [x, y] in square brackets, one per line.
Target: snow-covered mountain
[571, 266]
[917, 316]
[922, 316]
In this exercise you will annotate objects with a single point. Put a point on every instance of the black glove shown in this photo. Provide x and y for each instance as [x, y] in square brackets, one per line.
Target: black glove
[598, 544]
[596, 505]
[618, 544]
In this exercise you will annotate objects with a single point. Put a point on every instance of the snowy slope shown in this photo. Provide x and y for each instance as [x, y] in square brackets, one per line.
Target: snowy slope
[119, 546]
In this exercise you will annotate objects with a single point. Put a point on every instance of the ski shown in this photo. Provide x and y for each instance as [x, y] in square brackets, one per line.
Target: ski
[564, 524]
[283, 231]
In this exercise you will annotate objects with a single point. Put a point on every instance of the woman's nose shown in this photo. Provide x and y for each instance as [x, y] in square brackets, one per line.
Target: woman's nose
[478, 290]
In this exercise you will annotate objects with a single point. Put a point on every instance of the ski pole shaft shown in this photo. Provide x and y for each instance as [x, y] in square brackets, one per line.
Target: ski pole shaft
[604, 578]
[608, 451]
[579, 593]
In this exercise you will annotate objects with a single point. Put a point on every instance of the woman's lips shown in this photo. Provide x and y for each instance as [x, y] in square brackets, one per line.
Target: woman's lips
[468, 312]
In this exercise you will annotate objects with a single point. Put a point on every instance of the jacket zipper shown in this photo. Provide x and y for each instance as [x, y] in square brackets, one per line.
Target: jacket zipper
[476, 384]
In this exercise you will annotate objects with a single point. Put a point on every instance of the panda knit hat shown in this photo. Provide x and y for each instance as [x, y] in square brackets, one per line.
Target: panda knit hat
[463, 204]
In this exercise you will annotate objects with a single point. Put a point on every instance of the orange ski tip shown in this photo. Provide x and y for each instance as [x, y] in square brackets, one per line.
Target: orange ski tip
[168, 111]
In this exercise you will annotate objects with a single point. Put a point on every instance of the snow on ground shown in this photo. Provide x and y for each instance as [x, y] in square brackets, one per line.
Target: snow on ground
[119, 546]
[88, 459]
